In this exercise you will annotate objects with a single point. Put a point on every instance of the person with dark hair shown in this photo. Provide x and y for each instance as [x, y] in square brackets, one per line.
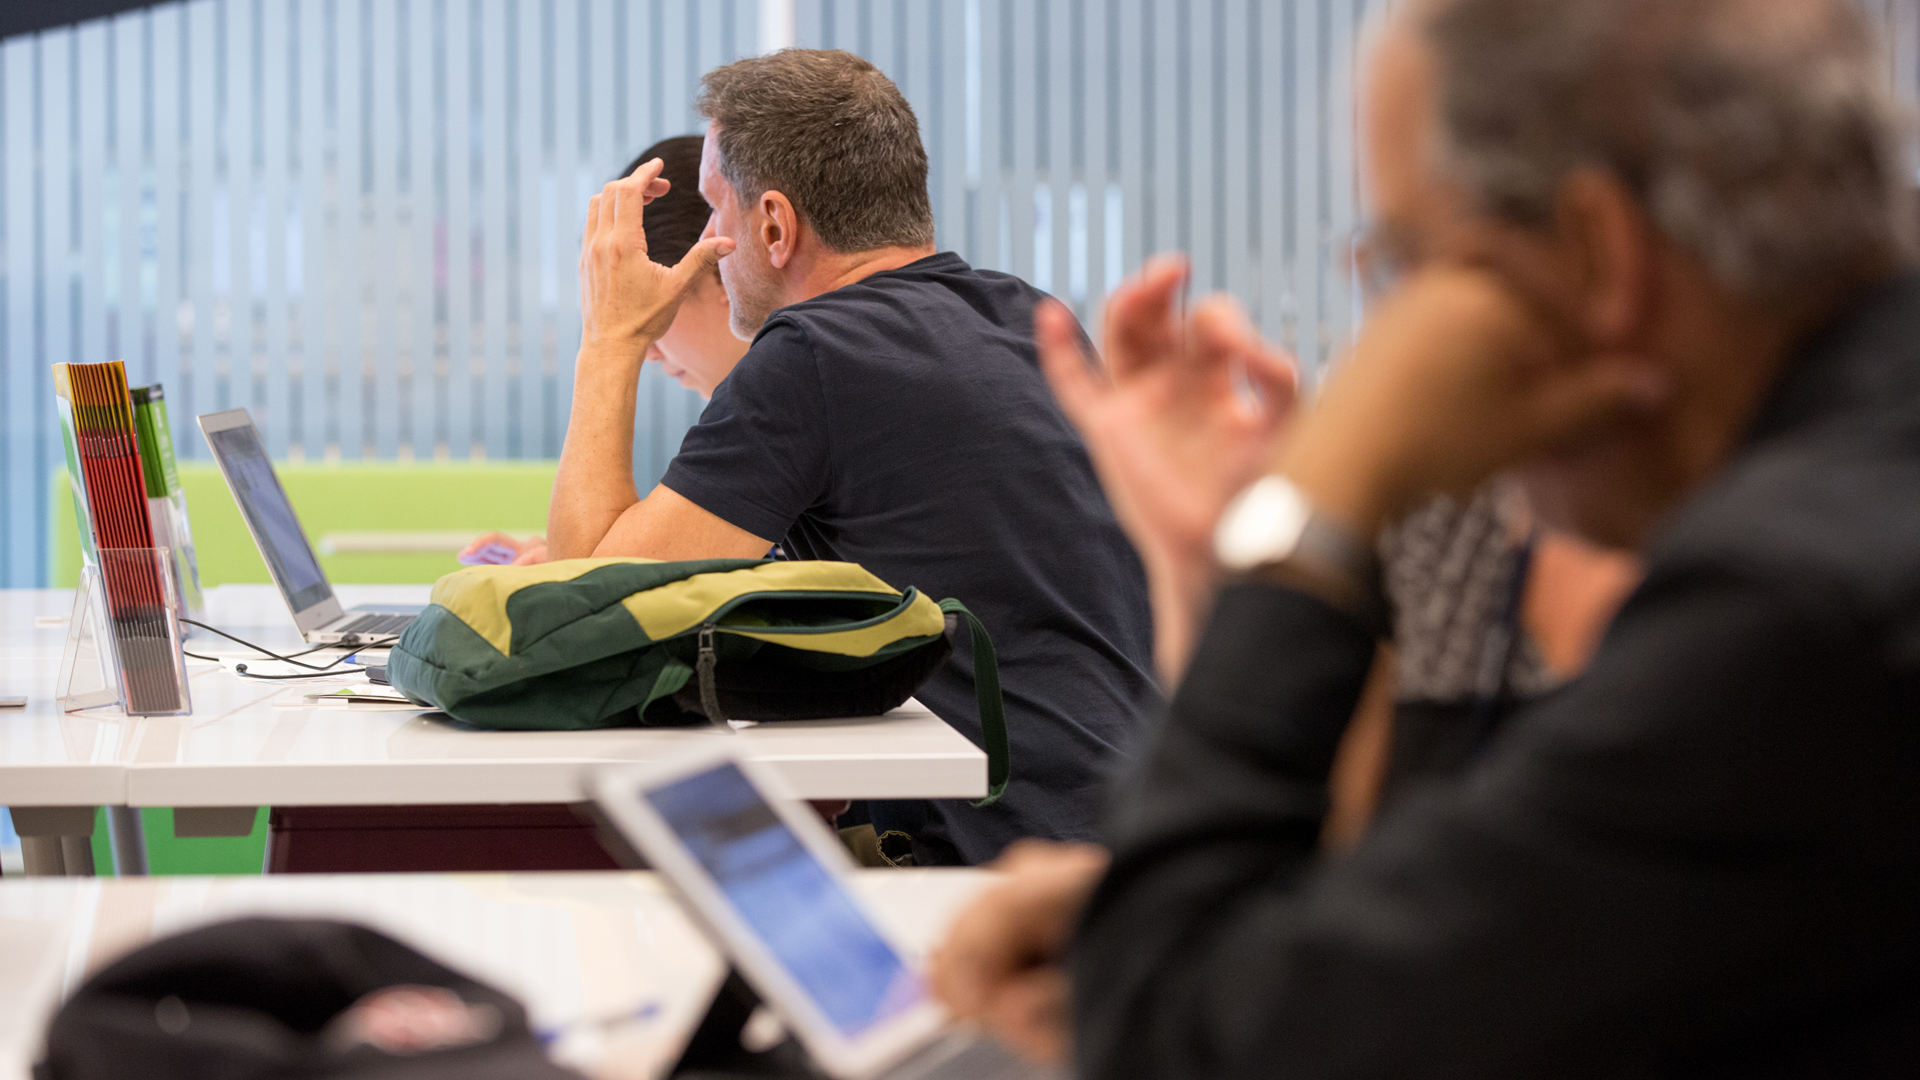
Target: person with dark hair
[890, 412]
[698, 349]
[1650, 257]
[677, 219]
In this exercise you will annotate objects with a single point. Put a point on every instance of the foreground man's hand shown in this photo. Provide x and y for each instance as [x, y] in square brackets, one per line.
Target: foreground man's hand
[1171, 427]
[1453, 378]
[1000, 966]
[626, 299]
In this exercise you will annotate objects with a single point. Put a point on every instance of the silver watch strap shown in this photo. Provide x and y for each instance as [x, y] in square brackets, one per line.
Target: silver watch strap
[1330, 562]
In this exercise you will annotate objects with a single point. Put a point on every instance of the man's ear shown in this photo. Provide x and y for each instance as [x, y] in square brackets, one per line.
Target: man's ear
[779, 228]
[1608, 245]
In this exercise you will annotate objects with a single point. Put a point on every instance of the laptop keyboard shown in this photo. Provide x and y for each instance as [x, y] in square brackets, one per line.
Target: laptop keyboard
[374, 625]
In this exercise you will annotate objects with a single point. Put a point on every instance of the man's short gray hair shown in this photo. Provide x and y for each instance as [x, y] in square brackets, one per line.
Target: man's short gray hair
[1760, 134]
[828, 130]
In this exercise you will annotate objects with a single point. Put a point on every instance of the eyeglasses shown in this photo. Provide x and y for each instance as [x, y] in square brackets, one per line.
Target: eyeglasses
[1383, 258]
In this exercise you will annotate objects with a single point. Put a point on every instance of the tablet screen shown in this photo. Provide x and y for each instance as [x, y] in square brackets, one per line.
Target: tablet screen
[796, 906]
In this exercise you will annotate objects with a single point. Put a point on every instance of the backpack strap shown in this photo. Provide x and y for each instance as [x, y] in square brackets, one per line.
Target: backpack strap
[986, 691]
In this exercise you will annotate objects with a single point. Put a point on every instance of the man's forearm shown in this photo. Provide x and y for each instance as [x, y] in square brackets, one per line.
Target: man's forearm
[594, 485]
[1181, 591]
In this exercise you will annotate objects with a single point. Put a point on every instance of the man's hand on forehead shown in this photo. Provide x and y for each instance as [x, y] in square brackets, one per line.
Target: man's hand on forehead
[634, 190]
[626, 299]
[644, 183]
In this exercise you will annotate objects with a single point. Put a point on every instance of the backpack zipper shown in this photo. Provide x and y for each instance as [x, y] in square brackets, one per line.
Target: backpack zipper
[903, 602]
[709, 692]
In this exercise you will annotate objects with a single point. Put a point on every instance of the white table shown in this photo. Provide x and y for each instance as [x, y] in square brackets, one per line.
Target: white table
[584, 952]
[239, 750]
[47, 758]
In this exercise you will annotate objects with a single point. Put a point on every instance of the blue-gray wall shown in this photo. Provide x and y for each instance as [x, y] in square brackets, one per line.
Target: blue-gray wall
[360, 218]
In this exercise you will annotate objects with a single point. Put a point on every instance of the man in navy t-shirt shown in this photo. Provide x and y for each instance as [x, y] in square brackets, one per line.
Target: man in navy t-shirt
[890, 412]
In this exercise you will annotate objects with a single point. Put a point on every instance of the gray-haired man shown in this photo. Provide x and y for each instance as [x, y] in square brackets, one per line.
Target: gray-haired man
[1650, 257]
[890, 412]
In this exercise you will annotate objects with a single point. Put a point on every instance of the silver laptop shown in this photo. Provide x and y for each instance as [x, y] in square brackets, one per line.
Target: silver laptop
[762, 875]
[283, 544]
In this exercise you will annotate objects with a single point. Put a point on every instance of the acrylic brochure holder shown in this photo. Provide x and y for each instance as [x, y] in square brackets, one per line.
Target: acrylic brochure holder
[123, 642]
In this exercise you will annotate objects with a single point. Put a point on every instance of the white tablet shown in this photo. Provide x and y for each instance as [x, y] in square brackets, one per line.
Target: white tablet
[768, 880]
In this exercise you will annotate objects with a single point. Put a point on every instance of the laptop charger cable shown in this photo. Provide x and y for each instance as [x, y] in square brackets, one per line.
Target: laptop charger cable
[314, 671]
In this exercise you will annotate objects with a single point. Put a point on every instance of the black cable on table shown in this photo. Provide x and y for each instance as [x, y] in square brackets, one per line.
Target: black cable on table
[288, 657]
[315, 671]
[241, 670]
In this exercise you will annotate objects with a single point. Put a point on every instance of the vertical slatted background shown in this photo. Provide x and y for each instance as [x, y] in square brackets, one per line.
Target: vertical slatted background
[359, 218]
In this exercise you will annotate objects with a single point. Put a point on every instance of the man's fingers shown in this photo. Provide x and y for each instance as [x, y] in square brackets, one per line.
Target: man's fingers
[1221, 337]
[629, 201]
[1141, 324]
[593, 223]
[1029, 1014]
[981, 949]
[644, 174]
[990, 942]
[1075, 386]
[484, 539]
[1278, 378]
[954, 982]
[1220, 333]
[999, 964]
[1016, 926]
[1574, 405]
[701, 258]
[962, 978]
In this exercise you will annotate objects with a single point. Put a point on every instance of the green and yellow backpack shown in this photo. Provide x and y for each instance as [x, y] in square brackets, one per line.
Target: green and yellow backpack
[595, 643]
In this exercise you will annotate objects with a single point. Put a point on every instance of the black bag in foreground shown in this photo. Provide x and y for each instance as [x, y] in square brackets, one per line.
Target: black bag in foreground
[290, 1000]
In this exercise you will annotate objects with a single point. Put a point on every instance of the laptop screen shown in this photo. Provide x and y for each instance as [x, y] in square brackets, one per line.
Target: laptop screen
[264, 502]
[796, 906]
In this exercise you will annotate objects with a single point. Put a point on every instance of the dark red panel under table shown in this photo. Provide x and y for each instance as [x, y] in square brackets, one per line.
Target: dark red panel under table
[442, 839]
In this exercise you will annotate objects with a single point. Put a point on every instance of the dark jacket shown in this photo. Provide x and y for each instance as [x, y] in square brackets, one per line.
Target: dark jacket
[1701, 859]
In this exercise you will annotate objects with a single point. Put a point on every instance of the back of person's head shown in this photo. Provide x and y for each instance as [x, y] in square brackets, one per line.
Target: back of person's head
[1760, 135]
[674, 220]
[830, 132]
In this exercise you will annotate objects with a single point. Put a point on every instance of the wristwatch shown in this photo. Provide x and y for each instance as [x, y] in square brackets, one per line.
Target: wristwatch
[1272, 533]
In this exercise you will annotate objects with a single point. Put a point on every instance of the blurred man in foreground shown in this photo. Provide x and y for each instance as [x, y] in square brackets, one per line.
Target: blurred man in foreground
[1646, 252]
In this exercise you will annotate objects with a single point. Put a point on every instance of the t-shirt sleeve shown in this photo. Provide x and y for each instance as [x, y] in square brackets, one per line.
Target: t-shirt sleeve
[759, 456]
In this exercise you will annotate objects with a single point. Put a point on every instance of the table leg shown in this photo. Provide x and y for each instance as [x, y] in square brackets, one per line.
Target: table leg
[55, 840]
[129, 837]
[42, 856]
[77, 853]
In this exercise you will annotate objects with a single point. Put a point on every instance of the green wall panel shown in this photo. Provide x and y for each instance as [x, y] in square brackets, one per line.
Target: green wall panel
[452, 497]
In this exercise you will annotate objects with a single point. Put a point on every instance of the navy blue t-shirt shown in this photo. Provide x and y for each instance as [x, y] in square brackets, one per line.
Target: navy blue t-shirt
[902, 423]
